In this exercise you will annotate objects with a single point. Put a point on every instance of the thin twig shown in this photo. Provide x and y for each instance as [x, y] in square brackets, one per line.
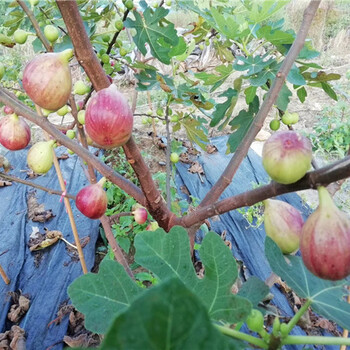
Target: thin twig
[114, 39]
[32, 184]
[4, 276]
[115, 217]
[168, 151]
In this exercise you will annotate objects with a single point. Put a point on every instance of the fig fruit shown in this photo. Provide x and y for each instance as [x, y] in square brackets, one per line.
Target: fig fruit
[105, 58]
[2, 70]
[14, 132]
[108, 118]
[51, 33]
[286, 156]
[70, 134]
[63, 110]
[20, 36]
[47, 79]
[255, 320]
[81, 117]
[40, 156]
[283, 224]
[34, 2]
[140, 215]
[92, 200]
[152, 226]
[325, 240]
[119, 25]
[123, 51]
[80, 88]
[106, 38]
[290, 118]
[275, 124]
[174, 157]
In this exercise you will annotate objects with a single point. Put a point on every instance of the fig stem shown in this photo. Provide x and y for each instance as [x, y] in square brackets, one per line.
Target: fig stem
[291, 324]
[324, 197]
[315, 340]
[4, 276]
[242, 336]
[102, 181]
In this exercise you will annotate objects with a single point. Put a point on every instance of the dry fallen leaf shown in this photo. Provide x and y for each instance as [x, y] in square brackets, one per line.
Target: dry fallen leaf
[4, 163]
[19, 308]
[211, 149]
[196, 168]
[13, 339]
[36, 211]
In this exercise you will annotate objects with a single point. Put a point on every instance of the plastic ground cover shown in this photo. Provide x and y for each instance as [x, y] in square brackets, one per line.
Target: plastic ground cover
[247, 242]
[45, 282]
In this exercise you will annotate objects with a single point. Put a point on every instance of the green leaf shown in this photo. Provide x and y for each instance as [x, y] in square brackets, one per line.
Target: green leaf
[188, 50]
[328, 297]
[241, 123]
[222, 109]
[255, 290]
[168, 255]
[225, 24]
[252, 64]
[156, 321]
[329, 91]
[160, 37]
[275, 37]
[261, 11]
[149, 79]
[194, 132]
[302, 93]
[307, 52]
[179, 49]
[294, 76]
[216, 79]
[321, 76]
[250, 93]
[6, 41]
[103, 296]
[283, 98]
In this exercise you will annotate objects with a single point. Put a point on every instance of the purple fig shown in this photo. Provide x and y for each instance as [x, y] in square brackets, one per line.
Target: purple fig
[283, 224]
[325, 240]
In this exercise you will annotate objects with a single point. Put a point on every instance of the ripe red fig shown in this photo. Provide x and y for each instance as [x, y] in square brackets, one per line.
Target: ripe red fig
[14, 132]
[92, 200]
[47, 79]
[40, 156]
[8, 110]
[140, 215]
[108, 118]
[325, 240]
[287, 156]
[283, 224]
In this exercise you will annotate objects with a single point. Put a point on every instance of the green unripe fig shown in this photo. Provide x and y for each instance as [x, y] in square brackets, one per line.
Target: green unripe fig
[102, 52]
[80, 88]
[2, 70]
[71, 134]
[149, 120]
[105, 58]
[160, 112]
[81, 117]
[149, 112]
[290, 118]
[152, 226]
[63, 110]
[34, 2]
[118, 43]
[255, 321]
[168, 3]
[129, 4]
[51, 33]
[174, 157]
[174, 118]
[122, 51]
[276, 326]
[70, 151]
[20, 36]
[275, 124]
[105, 38]
[40, 156]
[144, 120]
[284, 329]
[155, 4]
[119, 25]
[207, 42]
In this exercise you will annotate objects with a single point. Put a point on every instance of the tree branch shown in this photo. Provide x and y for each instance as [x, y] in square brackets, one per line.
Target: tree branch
[88, 60]
[32, 184]
[22, 110]
[322, 176]
[242, 150]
